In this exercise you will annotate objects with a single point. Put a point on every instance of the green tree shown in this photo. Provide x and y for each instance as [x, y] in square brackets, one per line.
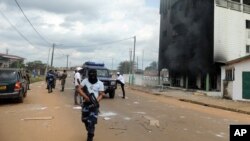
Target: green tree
[152, 66]
[124, 67]
[35, 65]
[17, 64]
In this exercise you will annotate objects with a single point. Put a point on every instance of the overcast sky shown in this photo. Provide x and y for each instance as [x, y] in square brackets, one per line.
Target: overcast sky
[82, 29]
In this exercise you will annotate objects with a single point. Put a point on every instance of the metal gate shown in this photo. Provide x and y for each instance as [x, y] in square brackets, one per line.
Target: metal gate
[246, 85]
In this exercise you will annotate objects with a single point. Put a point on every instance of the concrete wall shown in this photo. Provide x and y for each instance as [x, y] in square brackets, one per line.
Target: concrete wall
[145, 80]
[237, 83]
[230, 34]
[239, 68]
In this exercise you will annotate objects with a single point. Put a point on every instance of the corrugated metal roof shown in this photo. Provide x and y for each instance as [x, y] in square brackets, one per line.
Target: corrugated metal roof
[11, 56]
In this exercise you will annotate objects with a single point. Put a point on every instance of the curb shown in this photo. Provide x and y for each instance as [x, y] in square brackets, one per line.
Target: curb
[215, 106]
[196, 102]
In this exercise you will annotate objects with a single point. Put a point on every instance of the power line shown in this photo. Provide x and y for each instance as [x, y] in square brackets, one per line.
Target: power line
[104, 43]
[32, 24]
[16, 28]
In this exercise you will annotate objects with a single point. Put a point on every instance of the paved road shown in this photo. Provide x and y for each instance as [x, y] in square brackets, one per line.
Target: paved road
[141, 116]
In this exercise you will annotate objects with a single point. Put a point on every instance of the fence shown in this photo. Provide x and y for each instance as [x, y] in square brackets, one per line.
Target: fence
[142, 80]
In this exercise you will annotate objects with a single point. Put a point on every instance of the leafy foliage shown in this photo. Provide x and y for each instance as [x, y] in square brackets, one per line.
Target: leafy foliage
[153, 66]
[125, 67]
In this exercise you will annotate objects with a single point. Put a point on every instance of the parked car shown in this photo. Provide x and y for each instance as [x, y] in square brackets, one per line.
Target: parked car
[103, 75]
[12, 84]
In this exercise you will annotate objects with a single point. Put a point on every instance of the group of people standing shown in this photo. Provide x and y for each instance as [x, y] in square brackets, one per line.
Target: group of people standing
[51, 78]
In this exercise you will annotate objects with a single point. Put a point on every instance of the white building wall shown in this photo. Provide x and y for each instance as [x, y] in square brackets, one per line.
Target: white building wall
[230, 34]
[237, 83]
[239, 68]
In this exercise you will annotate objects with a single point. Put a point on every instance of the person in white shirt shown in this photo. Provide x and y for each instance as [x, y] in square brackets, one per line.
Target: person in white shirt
[77, 79]
[90, 112]
[120, 80]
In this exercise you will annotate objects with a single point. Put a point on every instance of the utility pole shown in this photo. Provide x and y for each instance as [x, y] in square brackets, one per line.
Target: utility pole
[130, 65]
[137, 67]
[52, 56]
[112, 63]
[142, 60]
[133, 69]
[67, 62]
[47, 64]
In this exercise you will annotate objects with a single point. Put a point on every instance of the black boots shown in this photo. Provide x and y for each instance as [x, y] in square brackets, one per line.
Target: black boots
[90, 137]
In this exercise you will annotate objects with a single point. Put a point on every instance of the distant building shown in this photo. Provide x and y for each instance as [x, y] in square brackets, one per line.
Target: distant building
[197, 37]
[6, 60]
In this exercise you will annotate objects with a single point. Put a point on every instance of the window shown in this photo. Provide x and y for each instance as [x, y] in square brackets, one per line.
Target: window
[247, 48]
[229, 74]
[247, 2]
[222, 3]
[248, 24]
[236, 1]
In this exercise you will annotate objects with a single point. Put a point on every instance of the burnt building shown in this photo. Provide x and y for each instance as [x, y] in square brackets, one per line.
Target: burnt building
[197, 37]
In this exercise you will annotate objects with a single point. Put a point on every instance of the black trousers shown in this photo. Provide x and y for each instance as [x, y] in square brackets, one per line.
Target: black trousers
[122, 86]
[89, 118]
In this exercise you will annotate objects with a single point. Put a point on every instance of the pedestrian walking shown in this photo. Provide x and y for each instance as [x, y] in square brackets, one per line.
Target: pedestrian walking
[27, 76]
[50, 78]
[90, 109]
[56, 74]
[78, 80]
[120, 80]
[63, 79]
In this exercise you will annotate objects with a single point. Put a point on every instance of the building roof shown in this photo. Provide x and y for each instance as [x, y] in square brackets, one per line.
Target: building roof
[11, 56]
[238, 60]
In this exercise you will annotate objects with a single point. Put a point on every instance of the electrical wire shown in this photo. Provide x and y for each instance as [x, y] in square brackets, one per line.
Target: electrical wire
[16, 29]
[104, 43]
[32, 24]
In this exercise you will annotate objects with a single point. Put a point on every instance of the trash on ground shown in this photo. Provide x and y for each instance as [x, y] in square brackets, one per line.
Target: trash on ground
[38, 118]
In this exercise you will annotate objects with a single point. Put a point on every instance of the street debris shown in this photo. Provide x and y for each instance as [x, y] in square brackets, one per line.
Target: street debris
[77, 107]
[107, 115]
[142, 113]
[152, 121]
[127, 118]
[39, 118]
[116, 128]
[136, 102]
[106, 118]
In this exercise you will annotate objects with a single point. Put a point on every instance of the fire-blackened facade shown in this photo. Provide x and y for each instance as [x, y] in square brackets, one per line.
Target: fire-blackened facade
[187, 43]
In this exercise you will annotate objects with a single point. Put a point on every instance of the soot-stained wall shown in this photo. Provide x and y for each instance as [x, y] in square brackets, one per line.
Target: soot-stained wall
[186, 36]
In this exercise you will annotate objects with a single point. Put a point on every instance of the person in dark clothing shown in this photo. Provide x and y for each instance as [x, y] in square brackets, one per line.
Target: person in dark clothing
[63, 79]
[27, 76]
[50, 78]
[90, 113]
[120, 80]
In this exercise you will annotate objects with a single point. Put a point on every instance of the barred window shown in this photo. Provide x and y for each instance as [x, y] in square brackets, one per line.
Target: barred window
[247, 48]
[247, 2]
[236, 0]
[247, 24]
[229, 74]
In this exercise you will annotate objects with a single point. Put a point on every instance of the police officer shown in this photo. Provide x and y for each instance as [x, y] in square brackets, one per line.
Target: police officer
[50, 78]
[90, 114]
[77, 82]
[63, 79]
[120, 80]
[28, 79]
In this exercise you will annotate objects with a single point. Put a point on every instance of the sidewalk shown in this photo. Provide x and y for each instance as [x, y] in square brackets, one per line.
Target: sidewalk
[196, 98]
